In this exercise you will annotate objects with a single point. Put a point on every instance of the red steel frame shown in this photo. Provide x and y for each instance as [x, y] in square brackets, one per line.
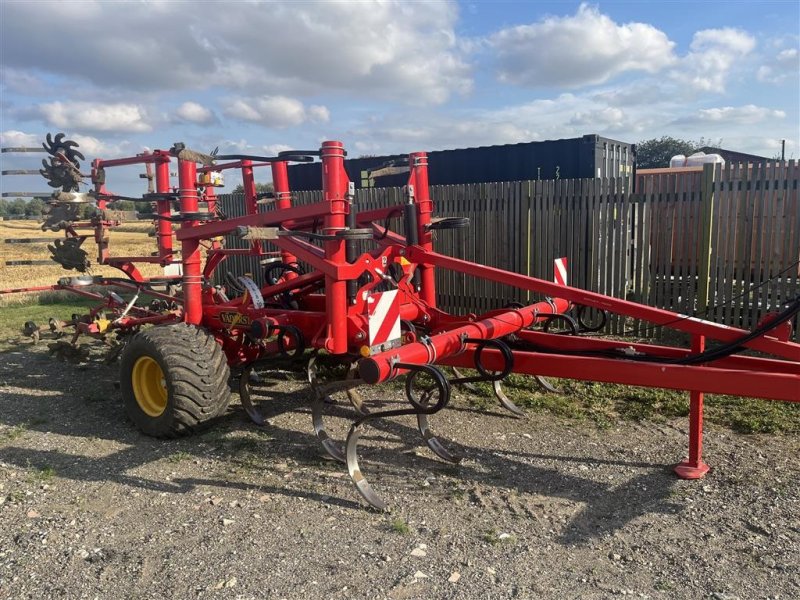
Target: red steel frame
[336, 321]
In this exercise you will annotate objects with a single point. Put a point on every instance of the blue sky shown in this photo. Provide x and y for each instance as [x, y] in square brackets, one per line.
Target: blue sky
[393, 76]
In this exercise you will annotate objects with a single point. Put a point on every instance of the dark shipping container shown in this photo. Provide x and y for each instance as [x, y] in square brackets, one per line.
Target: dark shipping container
[573, 158]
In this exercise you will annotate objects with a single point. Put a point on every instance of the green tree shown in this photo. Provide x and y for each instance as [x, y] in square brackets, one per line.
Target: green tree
[261, 188]
[16, 208]
[655, 153]
[3, 208]
[86, 211]
[34, 207]
[123, 205]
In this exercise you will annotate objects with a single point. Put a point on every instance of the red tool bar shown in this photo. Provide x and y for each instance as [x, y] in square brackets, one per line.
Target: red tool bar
[291, 284]
[133, 286]
[231, 165]
[133, 321]
[156, 157]
[308, 252]
[380, 367]
[576, 344]
[231, 251]
[273, 217]
[365, 217]
[112, 260]
[755, 384]
[41, 288]
[658, 316]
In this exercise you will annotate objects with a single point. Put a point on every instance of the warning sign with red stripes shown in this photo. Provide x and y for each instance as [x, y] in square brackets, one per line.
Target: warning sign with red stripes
[383, 314]
[560, 270]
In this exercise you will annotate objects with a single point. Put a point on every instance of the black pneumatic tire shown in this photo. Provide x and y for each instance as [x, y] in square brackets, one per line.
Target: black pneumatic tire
[194, 379]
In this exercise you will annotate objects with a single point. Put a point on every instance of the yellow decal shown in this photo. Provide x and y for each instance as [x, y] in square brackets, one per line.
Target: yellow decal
[234, 318]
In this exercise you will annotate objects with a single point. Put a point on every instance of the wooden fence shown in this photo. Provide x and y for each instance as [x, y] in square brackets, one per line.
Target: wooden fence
[727, 250]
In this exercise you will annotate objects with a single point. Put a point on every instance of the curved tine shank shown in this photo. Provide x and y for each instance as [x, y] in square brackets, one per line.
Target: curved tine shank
[247, 401]
[317, 407]
[328, 444]
[433, 442]
[505, 402]
[467, 386]
[362, 485]
[353, 394]
[545, 383]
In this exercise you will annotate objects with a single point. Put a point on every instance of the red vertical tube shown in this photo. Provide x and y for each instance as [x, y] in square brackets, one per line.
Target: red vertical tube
[190, 248]
[283, 200]
[334, 188]
[694, 467]
[164, 225]
[250, 196]
[419, 164]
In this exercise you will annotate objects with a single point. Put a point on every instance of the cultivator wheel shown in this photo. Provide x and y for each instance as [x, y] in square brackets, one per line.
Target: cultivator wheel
[174, 380]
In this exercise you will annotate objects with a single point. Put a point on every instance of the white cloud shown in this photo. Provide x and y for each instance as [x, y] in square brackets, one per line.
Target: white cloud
[583, 49]
[194, 113]
[88, 145]
[739, 115]
[275, 111]
[319, 114]
[22, 82]
[94, 116]
[784, 64]
[601, 118]
[389, 49]
[19, 139]
[96, 148]
[274, 149]
[713, 54]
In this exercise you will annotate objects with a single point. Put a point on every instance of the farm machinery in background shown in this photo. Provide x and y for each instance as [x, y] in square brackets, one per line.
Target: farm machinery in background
[342, 291]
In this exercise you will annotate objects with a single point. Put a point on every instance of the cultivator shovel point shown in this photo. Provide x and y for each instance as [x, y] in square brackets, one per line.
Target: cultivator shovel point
[352, 304]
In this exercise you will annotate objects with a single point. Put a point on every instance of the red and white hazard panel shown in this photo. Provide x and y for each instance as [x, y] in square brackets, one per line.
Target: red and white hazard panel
[560, 270]
[383, 315]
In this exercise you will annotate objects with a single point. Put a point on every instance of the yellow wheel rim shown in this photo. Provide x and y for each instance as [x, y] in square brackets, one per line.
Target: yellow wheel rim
[149, 386]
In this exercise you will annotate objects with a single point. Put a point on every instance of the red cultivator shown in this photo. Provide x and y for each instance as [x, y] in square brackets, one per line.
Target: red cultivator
[373, 311]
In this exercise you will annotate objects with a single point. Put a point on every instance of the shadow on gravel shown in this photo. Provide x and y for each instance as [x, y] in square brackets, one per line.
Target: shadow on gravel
[43, 395]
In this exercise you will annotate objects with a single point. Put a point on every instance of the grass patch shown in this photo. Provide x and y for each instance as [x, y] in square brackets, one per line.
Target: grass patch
[495, 538]
[45, 473]
[13, 317]
[179, 457]
[398, 525]
[14, 433]
[607, 403]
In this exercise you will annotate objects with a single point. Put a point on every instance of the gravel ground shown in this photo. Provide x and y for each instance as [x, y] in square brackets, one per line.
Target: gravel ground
[539, 508]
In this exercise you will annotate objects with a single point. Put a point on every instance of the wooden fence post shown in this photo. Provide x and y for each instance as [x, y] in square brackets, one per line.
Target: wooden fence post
[706, 226]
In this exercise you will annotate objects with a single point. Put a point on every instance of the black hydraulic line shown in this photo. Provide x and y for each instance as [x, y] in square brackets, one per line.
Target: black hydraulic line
[717, 353]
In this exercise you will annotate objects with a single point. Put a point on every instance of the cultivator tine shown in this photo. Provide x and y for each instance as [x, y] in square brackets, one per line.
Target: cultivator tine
[355, 397]
[545, 383]
[320, 399]
[328, 444]
[504, 401]
[433, 442]
[421, 407]
[247, 400]
[466, 385]
[362, 485]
